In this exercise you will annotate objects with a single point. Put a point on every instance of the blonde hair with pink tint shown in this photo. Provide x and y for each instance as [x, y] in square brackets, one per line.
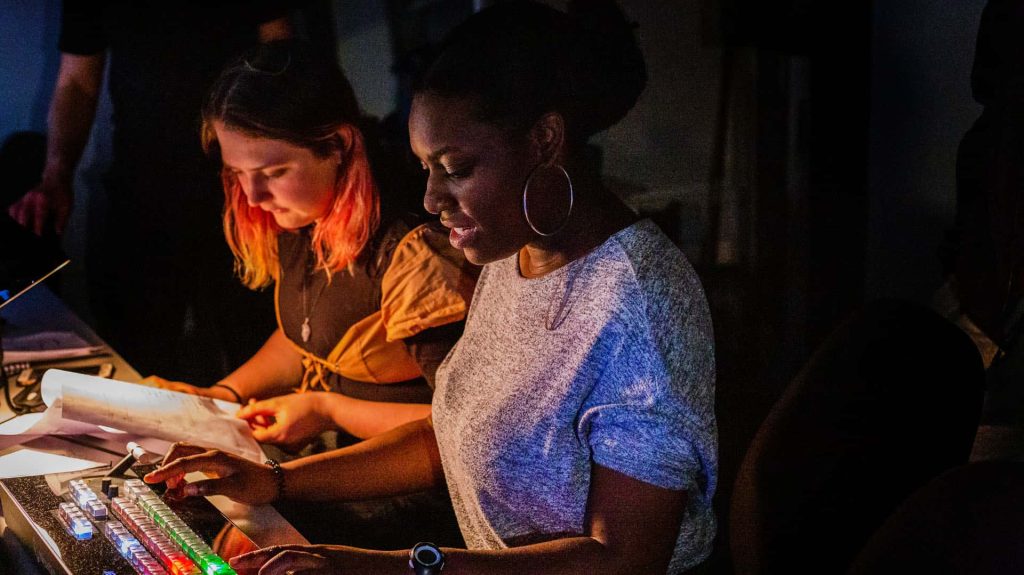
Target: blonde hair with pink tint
[287, 91]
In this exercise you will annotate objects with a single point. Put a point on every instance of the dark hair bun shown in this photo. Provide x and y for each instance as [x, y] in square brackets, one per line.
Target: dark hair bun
[611, 73]
[520, 59]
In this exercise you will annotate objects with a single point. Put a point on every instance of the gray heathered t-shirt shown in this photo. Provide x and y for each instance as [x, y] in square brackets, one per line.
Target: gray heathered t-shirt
[609, 359]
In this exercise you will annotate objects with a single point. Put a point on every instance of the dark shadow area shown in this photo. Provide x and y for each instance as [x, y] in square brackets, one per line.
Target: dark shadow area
[890, 400]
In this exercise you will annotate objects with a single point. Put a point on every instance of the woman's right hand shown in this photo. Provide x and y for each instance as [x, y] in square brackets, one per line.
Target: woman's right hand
[45, 207]
[289, 421]
[215, 392]
[232, 476]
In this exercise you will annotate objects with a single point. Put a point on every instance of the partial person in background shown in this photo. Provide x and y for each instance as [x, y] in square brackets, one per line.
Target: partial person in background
[22, 156]
[160, 277]
[573, 422]
[984, 294]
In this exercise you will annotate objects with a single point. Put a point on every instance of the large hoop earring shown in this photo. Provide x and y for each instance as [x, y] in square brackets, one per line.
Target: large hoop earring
[526, 212]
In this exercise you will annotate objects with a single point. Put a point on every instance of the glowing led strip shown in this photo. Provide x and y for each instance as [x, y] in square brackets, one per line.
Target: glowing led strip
[148, 534]
[208, 562]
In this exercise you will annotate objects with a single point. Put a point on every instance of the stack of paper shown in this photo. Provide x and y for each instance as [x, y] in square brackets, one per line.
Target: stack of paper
[83, 404]
[47, 346]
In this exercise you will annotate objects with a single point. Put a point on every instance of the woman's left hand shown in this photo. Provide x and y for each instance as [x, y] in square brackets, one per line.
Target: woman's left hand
[305, 559]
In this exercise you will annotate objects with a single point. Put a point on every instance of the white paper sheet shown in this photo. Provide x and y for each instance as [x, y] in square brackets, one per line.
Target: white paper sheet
[19, 462]
[82, 404]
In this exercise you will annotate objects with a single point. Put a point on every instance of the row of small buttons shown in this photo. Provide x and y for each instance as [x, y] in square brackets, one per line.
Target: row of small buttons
[150, 504]
[86, 498]
[132, 550]
[148, 531]
[152, 537]
[76, 522]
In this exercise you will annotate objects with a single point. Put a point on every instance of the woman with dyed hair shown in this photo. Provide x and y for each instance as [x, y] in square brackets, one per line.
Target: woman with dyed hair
[574, 421]
[368, 302]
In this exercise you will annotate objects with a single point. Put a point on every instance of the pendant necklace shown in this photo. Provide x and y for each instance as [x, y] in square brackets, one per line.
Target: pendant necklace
[306, 331]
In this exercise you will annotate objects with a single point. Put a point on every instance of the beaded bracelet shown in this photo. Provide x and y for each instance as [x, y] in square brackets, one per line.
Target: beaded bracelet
[238, 398]
[278, 476]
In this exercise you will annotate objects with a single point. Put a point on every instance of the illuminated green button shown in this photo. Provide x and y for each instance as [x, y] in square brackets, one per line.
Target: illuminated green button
[214, 565]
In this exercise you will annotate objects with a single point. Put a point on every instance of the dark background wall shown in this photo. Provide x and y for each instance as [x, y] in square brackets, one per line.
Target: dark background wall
[28, 62]
[920, 108]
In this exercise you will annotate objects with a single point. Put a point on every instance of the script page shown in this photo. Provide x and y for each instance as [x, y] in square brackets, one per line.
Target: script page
[78, 403]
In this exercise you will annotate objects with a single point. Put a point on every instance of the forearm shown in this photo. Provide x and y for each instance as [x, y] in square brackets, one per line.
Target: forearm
[403, 460]
[566, 556]
[365, 419]
[276, 369]
[71, 114]
[629, 535]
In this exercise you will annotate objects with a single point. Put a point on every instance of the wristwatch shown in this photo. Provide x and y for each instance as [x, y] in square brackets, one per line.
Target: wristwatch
[426, 559]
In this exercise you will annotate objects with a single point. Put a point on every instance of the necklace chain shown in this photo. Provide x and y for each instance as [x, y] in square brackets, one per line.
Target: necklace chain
[307, 331]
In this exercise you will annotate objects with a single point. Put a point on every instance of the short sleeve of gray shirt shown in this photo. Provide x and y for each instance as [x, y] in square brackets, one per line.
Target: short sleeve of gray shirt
[608, 360]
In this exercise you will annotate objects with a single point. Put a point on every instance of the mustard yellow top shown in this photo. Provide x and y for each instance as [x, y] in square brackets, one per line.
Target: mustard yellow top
[407, 281]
